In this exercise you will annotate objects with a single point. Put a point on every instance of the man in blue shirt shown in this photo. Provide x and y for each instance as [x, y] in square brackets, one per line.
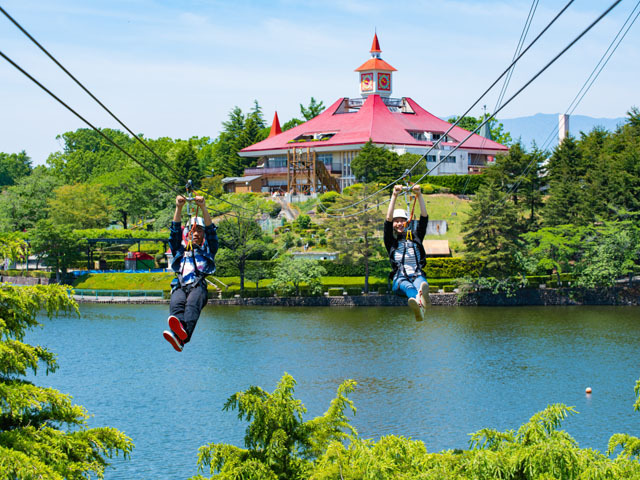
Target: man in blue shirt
[193, 259]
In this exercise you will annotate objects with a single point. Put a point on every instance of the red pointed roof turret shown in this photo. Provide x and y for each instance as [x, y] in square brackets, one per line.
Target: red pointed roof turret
[375, 46]
[275, 126]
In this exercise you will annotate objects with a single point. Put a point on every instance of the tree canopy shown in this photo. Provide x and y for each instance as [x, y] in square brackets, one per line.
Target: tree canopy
[42, 433]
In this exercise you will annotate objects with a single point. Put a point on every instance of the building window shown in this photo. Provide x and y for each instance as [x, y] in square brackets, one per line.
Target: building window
[449, 159]
[432, 159]
[279, 161]
[313, 137]
[326, 158]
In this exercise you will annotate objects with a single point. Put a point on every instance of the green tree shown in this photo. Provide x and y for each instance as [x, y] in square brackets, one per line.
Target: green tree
[358, 238]
[42, 433]
[497, 129]
[518, 175]
[240, 238]
[279, 444]
[554, 249]
[371, 164]
[567, 201]
[80, 206]
[130, 193]
[612, 252]
[87, 154]
[313, 110]
[290, 273]
[56, 244]
[256, 273]
[24, 203]
[238, 132]
[13, 166]
[491, 233]
[185, 165]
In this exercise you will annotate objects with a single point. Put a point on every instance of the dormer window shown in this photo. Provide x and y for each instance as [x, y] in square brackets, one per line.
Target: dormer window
[425, 136]
[313, 137]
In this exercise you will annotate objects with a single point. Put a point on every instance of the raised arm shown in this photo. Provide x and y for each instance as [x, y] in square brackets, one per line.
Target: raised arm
[205, 213]
[177, 215]
[418, 193]
[392, 204]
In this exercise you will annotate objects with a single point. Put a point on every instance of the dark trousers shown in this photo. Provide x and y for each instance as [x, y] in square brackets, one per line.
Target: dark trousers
[186, 304]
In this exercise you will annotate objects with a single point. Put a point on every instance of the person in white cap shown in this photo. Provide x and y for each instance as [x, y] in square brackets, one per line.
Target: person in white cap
[403, 242]
[193, 259]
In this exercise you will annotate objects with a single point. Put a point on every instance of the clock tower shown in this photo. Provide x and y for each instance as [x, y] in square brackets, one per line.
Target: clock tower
[375, 73]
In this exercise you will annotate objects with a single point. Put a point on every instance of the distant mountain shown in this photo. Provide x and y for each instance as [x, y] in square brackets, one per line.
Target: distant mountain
[543, 127]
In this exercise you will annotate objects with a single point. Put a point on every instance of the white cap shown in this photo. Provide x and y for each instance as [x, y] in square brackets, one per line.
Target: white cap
[199, 221]
[400, 213]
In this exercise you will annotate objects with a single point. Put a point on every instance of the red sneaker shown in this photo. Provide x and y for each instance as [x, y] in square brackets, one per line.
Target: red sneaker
[173, 340]
[176, 327]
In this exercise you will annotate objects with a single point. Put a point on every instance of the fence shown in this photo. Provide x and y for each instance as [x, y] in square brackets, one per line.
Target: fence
[95, 293]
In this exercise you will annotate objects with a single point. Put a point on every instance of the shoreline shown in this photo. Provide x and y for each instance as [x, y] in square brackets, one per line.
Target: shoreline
[619, 296]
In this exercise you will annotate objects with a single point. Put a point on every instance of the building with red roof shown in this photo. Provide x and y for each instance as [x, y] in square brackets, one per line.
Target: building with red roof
[336, 136]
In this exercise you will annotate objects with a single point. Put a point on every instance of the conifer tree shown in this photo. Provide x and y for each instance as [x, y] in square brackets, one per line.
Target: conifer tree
[568, 201]
[492, 233]
[42, 433]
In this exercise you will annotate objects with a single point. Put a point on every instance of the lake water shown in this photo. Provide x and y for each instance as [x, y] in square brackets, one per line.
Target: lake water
[460, 370]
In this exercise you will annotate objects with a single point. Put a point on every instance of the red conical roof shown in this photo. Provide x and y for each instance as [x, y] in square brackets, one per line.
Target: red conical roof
[275, 126]
[375, 46]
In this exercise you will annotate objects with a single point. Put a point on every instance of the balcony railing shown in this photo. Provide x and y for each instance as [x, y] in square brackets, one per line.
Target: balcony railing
[264, 171]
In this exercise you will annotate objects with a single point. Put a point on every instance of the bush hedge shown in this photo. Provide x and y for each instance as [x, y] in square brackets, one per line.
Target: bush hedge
[459, 184]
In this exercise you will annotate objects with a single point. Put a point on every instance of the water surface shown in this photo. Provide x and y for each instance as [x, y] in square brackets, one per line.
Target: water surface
[460, 370]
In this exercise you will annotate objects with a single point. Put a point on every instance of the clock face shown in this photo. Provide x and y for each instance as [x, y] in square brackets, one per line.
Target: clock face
[384, 81]
[366, 82]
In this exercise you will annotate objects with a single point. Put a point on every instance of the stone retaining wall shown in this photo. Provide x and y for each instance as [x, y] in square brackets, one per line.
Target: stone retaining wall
[610, 296]
[27, 280]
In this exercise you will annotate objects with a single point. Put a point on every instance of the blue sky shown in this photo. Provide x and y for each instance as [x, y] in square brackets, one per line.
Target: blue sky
[176, 68]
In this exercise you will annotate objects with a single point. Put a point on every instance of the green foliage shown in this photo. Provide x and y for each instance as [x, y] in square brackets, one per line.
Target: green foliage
[611, 252]
[239, 239]
[238, 132]
[186, 165]
[13, 167]
[567, 193]
[458, 184]
[79, 206]
[491, 233]
[26, 202]
[32, 441]
[86, 154]
[12, 246]
[57, 245]
[313, 110]
[279, 444]
[290, 273]
[497, 129]
[303, 221]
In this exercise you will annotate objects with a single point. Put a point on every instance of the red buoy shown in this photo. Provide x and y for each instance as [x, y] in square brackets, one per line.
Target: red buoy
[588, 390]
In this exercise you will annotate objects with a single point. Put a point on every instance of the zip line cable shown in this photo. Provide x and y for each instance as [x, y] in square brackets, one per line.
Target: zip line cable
[590, 81]
[443, 136]
[106, 137]
[570, 108]
[507, 80]
[103, 135]
[531, 80]
[553, 60]
[523, 36]
[136, 137]
[54, 60]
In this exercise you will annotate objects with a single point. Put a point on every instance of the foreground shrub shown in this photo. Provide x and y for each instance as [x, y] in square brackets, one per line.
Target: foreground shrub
[279, 445]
